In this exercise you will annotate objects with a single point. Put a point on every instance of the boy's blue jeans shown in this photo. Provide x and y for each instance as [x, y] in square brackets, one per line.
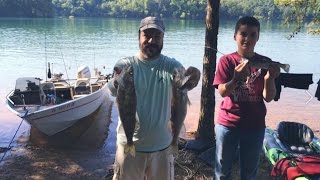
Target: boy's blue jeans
[227, 141]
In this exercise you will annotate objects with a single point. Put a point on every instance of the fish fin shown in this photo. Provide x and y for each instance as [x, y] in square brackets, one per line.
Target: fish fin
[185, 92]
[286, 68]
[130, 149]
[188, 101]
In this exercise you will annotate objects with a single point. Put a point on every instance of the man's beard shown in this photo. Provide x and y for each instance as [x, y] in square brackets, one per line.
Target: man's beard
[151, 50]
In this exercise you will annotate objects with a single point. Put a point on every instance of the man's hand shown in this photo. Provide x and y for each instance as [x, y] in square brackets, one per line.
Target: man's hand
[193, 81]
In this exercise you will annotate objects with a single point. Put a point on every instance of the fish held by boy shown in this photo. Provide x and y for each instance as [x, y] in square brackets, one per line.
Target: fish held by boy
[127, 102]
[264, 64]
[183, 81]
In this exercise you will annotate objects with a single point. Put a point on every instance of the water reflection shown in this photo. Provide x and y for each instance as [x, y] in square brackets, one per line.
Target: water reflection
[88, 133]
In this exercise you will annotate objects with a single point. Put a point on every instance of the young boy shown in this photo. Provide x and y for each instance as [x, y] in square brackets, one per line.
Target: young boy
[241, 119]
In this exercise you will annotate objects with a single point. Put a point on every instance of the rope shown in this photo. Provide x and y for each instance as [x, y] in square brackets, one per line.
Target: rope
[4, 154]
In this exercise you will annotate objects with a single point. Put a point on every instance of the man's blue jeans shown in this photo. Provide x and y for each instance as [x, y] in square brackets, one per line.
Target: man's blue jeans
[227, 142]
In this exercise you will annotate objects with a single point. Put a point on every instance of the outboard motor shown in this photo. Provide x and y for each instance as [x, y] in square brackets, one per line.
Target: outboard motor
[82, 85]
[83, 72]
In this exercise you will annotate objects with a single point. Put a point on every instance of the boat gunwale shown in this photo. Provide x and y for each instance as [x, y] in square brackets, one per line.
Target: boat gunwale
[23, 115]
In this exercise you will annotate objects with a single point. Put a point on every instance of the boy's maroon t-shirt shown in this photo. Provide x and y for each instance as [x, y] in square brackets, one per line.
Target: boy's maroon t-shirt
[244, 107]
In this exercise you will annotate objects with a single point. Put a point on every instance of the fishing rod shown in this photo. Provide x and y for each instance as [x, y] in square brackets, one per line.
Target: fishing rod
[45, 55]
[9, 146]
[208, 47]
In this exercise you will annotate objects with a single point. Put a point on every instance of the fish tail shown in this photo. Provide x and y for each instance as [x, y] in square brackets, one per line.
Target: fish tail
[285, 67]
[130, 149]
[174, 150]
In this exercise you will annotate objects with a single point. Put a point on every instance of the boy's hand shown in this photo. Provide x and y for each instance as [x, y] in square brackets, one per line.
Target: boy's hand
[273, 72]
[241, 71]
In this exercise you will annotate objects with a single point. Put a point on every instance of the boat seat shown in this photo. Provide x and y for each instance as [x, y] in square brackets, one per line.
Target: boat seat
[16, 99]
[48, 94]
[296, 137]
[27, 98]
[82, 86]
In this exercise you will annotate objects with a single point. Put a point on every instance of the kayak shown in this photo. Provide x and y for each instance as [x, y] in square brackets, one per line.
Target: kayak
[299, 142]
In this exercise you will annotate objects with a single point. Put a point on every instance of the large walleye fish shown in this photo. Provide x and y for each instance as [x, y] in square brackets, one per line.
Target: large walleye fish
[264, 64]
[183, 81]
[127, 102]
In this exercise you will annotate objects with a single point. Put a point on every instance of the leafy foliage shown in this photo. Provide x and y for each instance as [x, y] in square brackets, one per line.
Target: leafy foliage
[300, 11]
[29, 8]
[262, 9]
[292, 11]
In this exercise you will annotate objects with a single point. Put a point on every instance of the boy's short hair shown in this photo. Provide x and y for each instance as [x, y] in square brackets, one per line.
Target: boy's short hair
[247, 20]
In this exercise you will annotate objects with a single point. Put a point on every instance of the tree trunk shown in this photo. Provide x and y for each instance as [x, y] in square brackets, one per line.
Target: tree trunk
[205, 129]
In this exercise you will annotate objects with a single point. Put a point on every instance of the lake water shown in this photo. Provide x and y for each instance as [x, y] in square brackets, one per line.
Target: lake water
[26, 45]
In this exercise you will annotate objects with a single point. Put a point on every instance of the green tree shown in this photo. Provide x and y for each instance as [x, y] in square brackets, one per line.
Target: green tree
[300, 11]
[23, 8]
